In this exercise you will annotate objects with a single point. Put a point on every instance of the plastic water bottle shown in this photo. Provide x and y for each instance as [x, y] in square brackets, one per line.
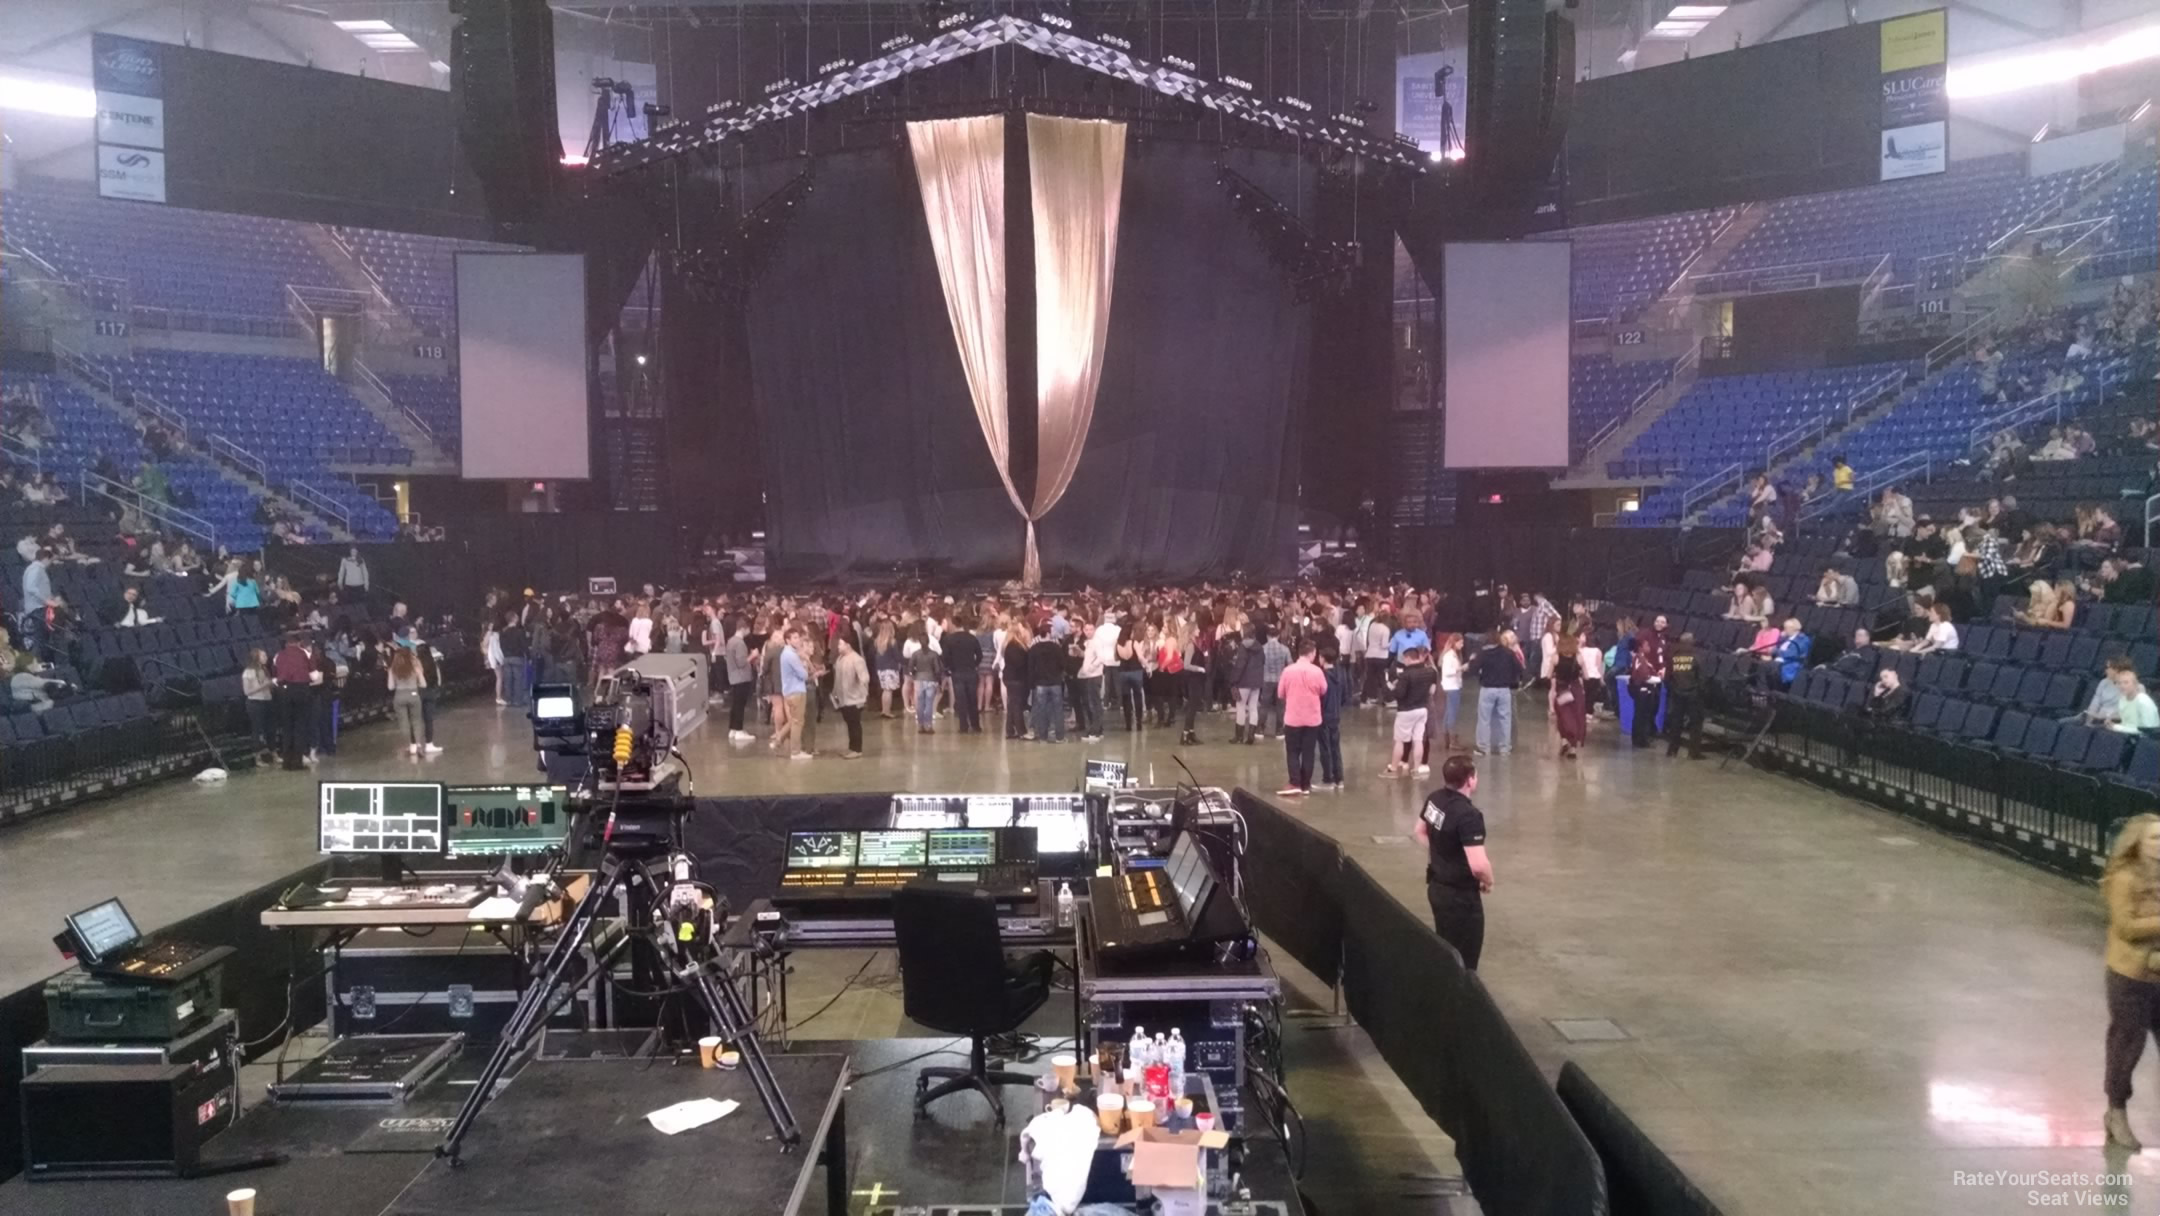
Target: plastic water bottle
[1065, 906]
[1137, 1057]
[1176, 1061]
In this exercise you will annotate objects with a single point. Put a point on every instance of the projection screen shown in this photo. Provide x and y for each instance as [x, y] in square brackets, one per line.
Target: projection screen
[1505, 312]
[521, 365]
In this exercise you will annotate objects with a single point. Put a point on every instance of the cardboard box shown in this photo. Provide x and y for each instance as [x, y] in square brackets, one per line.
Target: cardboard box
[1170, 1161]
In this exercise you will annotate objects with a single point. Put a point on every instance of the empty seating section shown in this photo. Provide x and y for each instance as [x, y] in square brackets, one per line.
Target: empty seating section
[1727, 420]
[190, 261]
[1600, 392]
[1621, 267]
[418, 273]
[2131, 244]
[435, 399]
[289, 412]
[1960, 212]
[85, 431]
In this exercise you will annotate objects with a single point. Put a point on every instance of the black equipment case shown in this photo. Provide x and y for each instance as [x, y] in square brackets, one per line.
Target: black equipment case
[122, 1120]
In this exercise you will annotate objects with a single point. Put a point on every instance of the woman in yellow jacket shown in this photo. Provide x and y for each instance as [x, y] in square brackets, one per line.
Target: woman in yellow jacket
[2131, 883]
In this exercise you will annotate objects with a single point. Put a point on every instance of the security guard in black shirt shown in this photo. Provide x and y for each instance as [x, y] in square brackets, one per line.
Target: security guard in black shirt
[1457, 872]
[1683, 698]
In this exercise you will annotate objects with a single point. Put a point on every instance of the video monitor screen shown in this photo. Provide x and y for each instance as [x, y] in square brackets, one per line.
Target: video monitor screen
[963, 847]
[379, 817]
[496, 820]
[554, 708]
[103, 928]
[820, 850]
[1189, 875]
[888, 850]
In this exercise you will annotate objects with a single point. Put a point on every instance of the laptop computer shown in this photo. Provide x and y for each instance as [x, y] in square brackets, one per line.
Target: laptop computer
[107, 943]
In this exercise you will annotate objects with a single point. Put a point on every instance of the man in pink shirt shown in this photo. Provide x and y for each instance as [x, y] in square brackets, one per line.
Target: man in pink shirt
[1300, 688]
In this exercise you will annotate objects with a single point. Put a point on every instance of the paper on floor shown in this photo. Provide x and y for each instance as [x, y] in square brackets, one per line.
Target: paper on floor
[697, 1112]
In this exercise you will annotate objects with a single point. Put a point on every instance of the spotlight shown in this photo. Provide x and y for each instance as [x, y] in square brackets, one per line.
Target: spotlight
[1366, 106]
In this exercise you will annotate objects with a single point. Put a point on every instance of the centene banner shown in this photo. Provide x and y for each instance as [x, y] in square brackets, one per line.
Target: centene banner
[137, 122]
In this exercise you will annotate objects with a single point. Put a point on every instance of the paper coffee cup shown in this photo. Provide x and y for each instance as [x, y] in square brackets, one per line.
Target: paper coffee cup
[240, 1202]
[1205, 1120]
[1184, 1108]
[708, 1048]
[1065, 1067]
[1110, 1113]
[729, 1060]
[1142, 1112]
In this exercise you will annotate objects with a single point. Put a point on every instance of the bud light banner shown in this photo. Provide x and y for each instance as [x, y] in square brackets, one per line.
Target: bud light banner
[127, 65]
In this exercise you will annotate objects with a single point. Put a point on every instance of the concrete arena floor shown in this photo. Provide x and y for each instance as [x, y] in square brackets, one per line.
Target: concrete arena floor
[1827, 1009]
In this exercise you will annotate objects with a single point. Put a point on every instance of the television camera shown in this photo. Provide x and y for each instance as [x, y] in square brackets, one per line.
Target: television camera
[625, 741]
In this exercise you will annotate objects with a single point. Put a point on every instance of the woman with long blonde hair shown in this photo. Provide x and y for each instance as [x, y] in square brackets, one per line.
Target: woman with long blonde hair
[2131, 885]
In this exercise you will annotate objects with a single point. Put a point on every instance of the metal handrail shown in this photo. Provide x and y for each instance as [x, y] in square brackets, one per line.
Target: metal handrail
[2022, 414]
[1642, 399]
[164, 513]
[1865, 488]
[1858, 268]
[238, 455]
[35, 260]
[1792, 442]
[22, 451]
[320, 503]
[369, 378]
[1947, 351]
[375, 282]
[146, 403]
[2152, 516]
[1718, 483]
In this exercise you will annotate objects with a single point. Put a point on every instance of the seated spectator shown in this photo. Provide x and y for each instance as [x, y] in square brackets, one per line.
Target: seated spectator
[1785, 659]
[1841, 474]
[2106, 697]
[133, 612]
[137, 565]
[2098, 532]
[2124, 581]
[29, 681]
[2066, 604]
[1750, 603]
[2081, 440]
[1758, 558]
[1897, 568]
[1941, 635]
[2056, 448]
[27, 548]
[1859, 658]
[1837, 588]
[1887, 699]
[2134, 709]
[185, 560]
[1894, 514]
[2039, 609]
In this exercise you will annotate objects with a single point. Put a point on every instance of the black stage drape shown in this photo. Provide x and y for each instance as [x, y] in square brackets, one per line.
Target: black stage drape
[1188, 471]
[873, 458]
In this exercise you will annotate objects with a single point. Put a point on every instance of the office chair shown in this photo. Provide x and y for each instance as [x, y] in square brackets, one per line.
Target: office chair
[955, 978]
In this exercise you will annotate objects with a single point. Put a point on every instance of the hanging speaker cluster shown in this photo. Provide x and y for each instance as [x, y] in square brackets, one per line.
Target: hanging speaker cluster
[502, 92]
[1521, 87]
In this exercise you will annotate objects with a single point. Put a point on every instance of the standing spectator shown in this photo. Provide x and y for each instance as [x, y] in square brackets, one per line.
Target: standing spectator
[963, 662]
[245, 595]
[1683, 705]
[406, 684]
[1246, 676]
[1341, 692]
[1196, 643]
[2131, 885]
[1565, 691]
[1088, 682]
[1413, 683]
[1300, 688]
[294, 670]
[735, 663]
[256, 689]
[431, 687]
[1646, 680]
[37, 596]
[924, 669]
[1841, 474]
[851, 690]
[794, 696]
[1018, 683]
[516, 649]
[1500, 670]
[1274, 660]
[1451, 680]
[352, 575]
[1379, 645]
[1458, 874]
[1046, 678]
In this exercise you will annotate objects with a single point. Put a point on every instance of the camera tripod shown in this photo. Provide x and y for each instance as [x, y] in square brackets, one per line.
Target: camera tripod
[692, 959]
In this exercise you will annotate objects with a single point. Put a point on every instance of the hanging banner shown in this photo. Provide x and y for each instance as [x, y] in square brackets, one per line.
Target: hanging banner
[1915, 105]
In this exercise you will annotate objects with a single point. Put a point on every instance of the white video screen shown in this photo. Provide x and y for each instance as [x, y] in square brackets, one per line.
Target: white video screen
[1505, 312]
[522, 397]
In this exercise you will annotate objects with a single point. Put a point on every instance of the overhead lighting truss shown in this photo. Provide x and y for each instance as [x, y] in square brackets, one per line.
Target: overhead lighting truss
[957, 37]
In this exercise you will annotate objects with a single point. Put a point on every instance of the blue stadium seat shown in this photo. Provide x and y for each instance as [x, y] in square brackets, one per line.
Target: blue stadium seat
[2010, 730]
[2040, 736]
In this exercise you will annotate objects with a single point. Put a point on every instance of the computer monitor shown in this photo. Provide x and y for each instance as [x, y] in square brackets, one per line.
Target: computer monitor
[385, 817]
[554, 703]
[102, 930]
[504, 820]
[820, 850]
[962, 847]
[892, 850]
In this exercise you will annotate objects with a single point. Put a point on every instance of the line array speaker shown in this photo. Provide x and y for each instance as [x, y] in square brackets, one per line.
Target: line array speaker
[502, 91]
